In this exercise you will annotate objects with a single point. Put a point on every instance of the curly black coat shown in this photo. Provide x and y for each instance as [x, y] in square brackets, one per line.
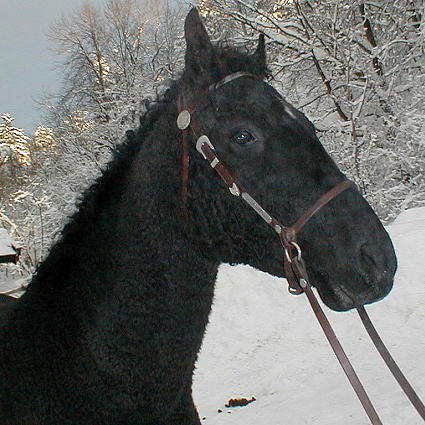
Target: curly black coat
[109, 329]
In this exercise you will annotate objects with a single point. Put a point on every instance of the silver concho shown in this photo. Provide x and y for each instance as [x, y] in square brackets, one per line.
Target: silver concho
[183, 120]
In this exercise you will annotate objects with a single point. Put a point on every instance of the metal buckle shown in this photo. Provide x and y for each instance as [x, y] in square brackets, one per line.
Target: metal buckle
[200, 142]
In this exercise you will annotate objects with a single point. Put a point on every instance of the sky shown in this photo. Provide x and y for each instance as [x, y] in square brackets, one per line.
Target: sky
[26, 60]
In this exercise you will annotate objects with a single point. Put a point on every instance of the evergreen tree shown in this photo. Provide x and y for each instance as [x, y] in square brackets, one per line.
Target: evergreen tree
[44, 139]
[14, 144]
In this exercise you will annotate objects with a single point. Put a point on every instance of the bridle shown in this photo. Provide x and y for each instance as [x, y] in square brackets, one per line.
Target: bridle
[294, 266]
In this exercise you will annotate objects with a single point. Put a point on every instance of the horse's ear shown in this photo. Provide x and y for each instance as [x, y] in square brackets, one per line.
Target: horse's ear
[259, 55]
[200, 59]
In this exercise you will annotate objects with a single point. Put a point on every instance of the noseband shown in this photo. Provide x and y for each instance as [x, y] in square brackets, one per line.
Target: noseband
[294, 266]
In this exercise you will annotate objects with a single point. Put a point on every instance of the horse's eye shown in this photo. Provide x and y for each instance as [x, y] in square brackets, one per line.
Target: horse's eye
[243, 137]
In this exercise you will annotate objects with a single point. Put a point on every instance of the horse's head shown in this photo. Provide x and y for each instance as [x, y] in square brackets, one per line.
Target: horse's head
[274, 152]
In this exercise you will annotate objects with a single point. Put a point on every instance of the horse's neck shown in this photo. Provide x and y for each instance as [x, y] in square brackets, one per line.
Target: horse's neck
[137, 286]
[161, 288]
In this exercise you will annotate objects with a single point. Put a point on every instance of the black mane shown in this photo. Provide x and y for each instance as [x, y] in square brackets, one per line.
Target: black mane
[108, 183]
[105, 186]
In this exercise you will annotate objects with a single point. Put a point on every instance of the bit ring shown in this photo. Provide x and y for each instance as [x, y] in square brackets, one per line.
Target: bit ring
[297, 247]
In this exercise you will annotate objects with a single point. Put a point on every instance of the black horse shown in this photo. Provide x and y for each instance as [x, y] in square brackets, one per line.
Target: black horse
[109, 329]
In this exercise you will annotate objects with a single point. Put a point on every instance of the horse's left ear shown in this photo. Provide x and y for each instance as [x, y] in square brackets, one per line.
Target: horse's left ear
[200, 59]
[259, 55]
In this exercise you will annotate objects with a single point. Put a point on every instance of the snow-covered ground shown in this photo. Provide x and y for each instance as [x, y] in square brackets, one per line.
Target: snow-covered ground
[266, 343]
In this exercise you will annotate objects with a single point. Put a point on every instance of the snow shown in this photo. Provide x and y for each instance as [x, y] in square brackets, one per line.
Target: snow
[8, 282]
[266, 343]
[8, 246]
[12, 286]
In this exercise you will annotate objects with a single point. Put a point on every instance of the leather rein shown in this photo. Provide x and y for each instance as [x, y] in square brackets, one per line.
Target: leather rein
[294, 266]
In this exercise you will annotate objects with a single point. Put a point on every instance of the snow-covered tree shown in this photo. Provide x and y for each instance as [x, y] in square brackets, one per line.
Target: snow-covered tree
[44, 139]
[14, 145]
[115, 58]
[356, 68]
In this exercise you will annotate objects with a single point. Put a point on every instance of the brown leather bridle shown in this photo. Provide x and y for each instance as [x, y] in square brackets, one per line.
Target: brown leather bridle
[294, 266]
